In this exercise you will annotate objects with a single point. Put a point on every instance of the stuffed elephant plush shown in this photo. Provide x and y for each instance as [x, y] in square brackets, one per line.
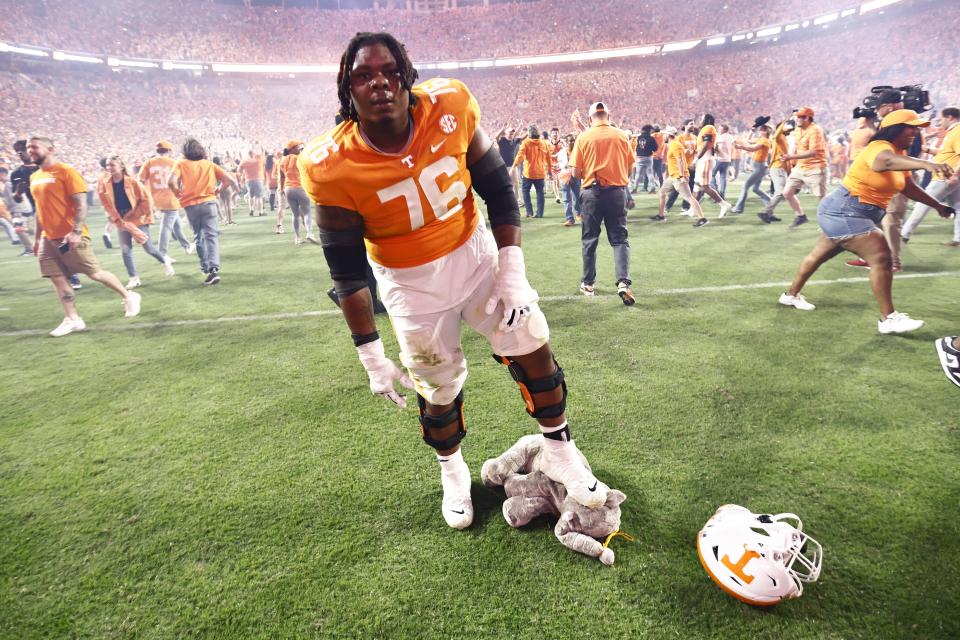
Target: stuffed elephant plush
[530, 493]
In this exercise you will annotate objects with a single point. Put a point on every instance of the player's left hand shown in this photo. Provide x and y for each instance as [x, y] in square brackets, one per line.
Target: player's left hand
[512, 288]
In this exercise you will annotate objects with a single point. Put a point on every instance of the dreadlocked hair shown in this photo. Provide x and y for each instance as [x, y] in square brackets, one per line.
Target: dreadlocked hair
[408, 74]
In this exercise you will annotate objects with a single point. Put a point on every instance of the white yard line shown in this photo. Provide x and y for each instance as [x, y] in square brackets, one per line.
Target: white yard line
[334, 312]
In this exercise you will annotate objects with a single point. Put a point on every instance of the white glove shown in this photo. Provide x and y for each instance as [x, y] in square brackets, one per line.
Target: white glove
[383, 372]
[512, 288]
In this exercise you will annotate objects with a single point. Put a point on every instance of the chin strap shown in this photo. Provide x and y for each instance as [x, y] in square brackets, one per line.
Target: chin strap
[622, 534]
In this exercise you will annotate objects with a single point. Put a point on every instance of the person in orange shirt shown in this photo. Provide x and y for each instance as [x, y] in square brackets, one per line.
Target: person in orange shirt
[942, 187]
[850, 216]
[130, 206]
[838, 158]
[760, 148]
[687, 138]
[394, 186]
[62, 239]
[676, 182]
[602, 158]
[556, 146]
[534, 153]
[705, 164]
[155, 173]
[273, 182]
[811, 164]
[196, 182]
[860, 137]
[294, 193]
[253, 172]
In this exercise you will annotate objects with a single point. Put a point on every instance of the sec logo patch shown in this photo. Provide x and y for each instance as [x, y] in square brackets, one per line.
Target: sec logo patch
[448, 124]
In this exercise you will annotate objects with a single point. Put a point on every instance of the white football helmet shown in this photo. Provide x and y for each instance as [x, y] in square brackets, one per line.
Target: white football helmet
[758, 558]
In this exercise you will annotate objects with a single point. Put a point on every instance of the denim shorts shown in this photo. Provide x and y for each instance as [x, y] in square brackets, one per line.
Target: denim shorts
[842, 216]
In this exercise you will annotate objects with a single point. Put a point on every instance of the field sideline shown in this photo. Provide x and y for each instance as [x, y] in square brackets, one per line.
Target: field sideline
[217, 468]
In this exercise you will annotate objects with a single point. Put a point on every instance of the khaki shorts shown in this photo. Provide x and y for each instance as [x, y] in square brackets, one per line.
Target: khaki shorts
[79, 259]
[816, 179]
[679, 185]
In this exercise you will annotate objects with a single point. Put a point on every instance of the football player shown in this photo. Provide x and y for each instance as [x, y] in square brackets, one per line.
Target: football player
[394, 182]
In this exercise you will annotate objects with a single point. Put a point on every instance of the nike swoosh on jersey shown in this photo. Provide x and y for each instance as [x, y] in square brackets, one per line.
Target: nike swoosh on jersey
[434, 147]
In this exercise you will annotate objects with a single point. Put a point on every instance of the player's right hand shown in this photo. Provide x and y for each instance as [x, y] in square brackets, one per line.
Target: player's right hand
[383, 373]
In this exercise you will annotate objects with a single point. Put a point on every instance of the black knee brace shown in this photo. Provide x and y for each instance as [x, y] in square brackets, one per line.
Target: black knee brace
[428, 422]
[529, 386]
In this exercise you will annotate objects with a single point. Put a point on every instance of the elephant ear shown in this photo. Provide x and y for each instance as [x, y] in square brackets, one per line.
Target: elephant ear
[615, 497]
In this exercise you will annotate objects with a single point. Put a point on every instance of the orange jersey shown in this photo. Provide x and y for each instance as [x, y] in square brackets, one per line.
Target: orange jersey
[155, 173]
[874, 187]
[52, 190]
[416, 205]
[661, 151]
[273, 176]
[534, 153]
[708, 130]
[949, 150]
[252, 168]
[199, 179]
[290, 171]
[811, 139]
[555, 148]
[778, 147]
[760, 155]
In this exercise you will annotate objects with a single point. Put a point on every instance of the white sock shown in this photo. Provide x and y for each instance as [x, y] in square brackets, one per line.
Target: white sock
[557, 443]
[454, 473]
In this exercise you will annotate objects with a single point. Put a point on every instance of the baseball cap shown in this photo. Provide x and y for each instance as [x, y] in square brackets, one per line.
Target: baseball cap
[291, 144]
[890, 96]
[165, 144]
[903, 116]
[598, 107]
[805, 111]
[670, 131]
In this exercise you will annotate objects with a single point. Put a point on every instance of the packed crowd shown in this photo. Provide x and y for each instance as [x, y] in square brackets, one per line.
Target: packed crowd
[231, 115]
[219, 33]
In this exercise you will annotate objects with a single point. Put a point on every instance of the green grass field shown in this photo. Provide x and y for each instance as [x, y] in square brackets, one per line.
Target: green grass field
[217, 467]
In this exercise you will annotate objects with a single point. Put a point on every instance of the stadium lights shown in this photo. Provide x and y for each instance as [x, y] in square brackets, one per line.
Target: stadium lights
[71, 57]
[602, 54]
[274, 68]
[186, 66]
[830, 17]
[876, 4]
[680, 46]
[9, 48]
[738, 37]
[715, 41]
[791, 27]
[847, 12]
[769, 31]
[140, 64]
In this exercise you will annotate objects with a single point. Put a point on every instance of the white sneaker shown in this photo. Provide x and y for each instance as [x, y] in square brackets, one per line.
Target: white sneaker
[167, 267]
[190, 249]
[68, 326]
[172, 260]
[457, 506]
[725, 208]
[563, 463]
[131, 304]
[133, 282]
[587, 289]
[797, 302]
[297, 241]
[898, 322]
[312, 239]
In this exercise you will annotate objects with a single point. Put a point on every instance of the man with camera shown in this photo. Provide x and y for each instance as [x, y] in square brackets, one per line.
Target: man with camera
[884, 100]
[942, 188]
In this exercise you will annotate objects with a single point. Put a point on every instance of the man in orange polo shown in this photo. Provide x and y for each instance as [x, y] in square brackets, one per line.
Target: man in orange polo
[62, 239]
[602, 159]
[811, 164]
